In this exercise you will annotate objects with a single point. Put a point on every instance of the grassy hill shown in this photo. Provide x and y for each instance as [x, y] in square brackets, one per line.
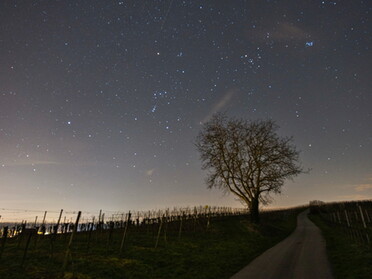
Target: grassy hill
[216, 251]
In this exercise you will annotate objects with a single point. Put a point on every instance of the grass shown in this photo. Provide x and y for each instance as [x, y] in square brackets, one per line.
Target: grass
[228, 245]
[349, 260]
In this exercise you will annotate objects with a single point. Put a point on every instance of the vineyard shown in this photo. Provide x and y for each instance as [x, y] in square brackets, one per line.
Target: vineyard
[353, 218]
[68, 245]
[347, 229]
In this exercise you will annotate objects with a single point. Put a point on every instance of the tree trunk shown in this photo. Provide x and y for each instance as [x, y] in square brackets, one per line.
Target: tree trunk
[253, 210]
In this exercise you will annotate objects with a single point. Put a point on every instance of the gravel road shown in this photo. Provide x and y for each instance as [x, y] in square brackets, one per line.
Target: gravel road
[302, 255]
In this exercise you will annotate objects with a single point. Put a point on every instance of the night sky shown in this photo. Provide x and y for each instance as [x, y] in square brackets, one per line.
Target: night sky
[101, 101]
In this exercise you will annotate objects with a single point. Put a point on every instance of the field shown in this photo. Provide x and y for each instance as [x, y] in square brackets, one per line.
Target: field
[186, 246]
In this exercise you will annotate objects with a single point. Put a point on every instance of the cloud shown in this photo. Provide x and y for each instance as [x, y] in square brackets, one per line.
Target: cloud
[353, 197]
[362, 191]
[279, 33]
[287, 31]
[364, 186]
[223, 102]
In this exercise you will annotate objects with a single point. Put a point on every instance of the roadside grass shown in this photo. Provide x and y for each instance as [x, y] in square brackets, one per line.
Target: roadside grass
[349, 260]
[228, 245]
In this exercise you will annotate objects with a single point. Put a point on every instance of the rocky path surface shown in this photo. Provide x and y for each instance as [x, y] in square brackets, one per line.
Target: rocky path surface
[302, 255]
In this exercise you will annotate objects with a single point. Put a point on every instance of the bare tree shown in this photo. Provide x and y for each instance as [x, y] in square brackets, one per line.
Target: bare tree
[247, 158]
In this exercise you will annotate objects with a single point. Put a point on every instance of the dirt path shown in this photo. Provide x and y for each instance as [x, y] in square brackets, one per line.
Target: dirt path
[302, 255]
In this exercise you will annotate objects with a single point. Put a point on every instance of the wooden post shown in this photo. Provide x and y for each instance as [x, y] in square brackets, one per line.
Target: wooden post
[125, 232]
[30, 232]
[338, 217]
[99, 218]
[335, 217]
[45, 213]
[59, 220]
[166, 225]
[365, 211]
[195, 215]
[68, 250]
[43, 223]
[54, 233]
[364, 223]
[347, 219]
[35, 222]
[4, 237]
[98, 225]
[165, 229]
[148, 223]
[159, 231]
[111, 231]
[180, 229]
[361, 215]
[209, 218]
[90, 234]
[23, 227]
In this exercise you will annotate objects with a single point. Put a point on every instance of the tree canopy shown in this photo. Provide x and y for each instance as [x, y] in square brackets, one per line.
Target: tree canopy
[247, 158]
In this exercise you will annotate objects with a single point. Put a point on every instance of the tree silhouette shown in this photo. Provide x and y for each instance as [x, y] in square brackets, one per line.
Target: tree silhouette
[247, 158]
